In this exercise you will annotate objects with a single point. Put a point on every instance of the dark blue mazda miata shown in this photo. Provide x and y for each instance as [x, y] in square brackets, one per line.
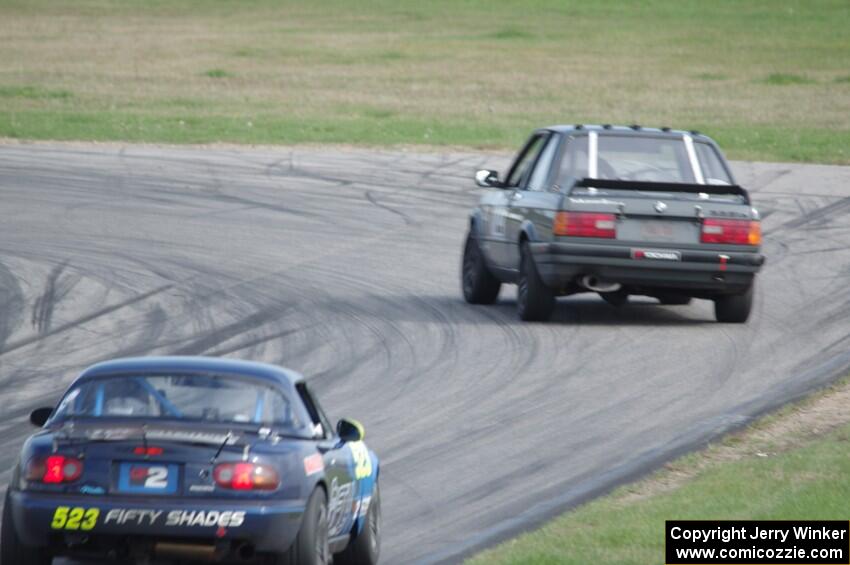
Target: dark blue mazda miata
[192, 458]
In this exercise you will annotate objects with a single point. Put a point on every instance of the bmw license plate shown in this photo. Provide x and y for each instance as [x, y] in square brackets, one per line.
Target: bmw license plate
[147, 478]
[657, 231]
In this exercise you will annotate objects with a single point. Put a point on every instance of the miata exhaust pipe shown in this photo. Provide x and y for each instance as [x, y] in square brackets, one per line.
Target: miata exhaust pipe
[192, 551]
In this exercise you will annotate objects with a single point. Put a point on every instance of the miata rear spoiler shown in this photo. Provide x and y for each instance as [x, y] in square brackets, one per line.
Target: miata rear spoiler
[718, 189]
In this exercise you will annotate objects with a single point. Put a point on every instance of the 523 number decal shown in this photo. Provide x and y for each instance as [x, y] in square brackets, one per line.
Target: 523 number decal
[76, 518]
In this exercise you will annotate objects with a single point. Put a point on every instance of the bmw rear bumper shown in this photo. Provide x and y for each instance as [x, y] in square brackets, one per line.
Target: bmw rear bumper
[265, 525]
[698, 271]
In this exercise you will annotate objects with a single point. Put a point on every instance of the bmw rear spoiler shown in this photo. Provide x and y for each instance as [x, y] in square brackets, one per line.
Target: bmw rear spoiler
[718, 189]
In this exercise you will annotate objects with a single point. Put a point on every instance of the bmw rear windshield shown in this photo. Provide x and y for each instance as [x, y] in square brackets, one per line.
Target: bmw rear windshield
[190, 397]
[661, 159]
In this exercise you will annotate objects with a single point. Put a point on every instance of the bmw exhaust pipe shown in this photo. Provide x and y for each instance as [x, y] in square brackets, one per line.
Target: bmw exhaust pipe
[590, 282]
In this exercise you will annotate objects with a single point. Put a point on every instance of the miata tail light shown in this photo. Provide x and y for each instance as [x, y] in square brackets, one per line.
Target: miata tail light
[245, 476]
[54, 469]
[585, 224]
[733, 232]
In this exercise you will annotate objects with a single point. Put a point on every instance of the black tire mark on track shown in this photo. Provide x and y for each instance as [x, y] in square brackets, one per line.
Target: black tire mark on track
[82, 320]
[407, 219]
[42, 311]
[11, 304]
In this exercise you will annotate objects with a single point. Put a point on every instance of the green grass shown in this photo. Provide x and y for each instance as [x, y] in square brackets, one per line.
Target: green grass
[767, 77]
[808, 480]
[368, 126]
[217, 73]
[510, 33]
[712, 76]
[782, 79]
[31, 92]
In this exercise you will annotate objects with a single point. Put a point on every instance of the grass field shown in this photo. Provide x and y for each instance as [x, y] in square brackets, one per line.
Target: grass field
[794, 465]
[770, 79]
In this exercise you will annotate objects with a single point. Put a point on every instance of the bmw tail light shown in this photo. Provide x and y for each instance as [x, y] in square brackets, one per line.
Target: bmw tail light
[245, 476]
[585, 224]
[54, 469]
[733, 232]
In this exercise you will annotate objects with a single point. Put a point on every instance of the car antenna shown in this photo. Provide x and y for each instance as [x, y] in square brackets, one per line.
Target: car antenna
[221, 447]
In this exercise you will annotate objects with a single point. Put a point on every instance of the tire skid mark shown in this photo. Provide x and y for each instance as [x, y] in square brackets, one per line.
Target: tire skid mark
[818, 216]
[211, 339]
[42, 311]
[407, 218]
[11, 304]
[376, 322]
[84, 319]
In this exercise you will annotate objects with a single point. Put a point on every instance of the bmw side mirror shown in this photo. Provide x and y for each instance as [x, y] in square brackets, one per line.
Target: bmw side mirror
[488, 179]
[39, 416]
[350, 430]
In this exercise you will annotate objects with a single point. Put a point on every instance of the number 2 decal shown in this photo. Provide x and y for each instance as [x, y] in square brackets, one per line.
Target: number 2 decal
[66, 518]
[157, 477]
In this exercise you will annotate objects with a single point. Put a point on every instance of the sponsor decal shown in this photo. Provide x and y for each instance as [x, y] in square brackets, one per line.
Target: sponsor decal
[201, 488]
[341, 500]
[209, 518]
[119, 434]
[363, 511]
[74, 518]
[314, 464]
[174, 518]
[498, 220]
[362, 460]
[92, 489]
[132, 516]
[656, 254]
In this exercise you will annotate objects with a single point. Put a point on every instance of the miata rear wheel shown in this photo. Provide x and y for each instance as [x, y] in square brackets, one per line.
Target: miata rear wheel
[311, 544]
[12, 549]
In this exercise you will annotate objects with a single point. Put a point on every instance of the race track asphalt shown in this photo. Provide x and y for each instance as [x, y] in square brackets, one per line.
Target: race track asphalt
[343, 264]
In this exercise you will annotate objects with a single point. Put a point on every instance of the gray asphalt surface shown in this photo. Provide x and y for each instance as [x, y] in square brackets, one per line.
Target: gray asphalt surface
[343, 264]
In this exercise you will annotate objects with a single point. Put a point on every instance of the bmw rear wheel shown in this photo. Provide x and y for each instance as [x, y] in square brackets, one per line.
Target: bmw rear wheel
[535, 300]
[734, 308]
[479, 284]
